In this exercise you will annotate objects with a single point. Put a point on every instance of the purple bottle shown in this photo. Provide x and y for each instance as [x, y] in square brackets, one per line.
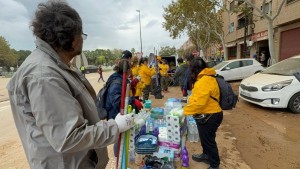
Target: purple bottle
[185, 159]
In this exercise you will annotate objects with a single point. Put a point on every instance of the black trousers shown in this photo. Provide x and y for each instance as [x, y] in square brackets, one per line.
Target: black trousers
[207, 134]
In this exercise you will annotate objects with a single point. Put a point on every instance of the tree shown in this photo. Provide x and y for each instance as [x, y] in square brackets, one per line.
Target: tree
[101, 60]
[7, 57]
[269, 19]
[167, 51]
[21, 55]
[194, 18]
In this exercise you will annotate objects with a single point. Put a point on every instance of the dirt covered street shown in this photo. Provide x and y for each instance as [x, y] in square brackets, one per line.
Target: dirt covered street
[249, 137]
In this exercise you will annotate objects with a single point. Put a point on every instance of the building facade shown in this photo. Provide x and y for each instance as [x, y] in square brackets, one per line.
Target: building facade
[247, 34]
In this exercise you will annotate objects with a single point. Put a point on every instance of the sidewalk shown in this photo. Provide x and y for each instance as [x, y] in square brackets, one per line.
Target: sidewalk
[3, 91]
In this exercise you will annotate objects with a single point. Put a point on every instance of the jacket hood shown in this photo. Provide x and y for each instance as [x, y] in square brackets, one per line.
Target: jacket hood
[207, 71]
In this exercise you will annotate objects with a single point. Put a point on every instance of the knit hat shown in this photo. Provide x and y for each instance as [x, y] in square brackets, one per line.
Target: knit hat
[126, 54]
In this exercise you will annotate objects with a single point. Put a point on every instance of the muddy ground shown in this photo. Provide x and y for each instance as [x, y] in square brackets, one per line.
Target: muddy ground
[249, 137]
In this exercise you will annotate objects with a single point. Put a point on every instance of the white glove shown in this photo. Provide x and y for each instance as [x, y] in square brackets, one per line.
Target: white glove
[124, 122]
[139, 78]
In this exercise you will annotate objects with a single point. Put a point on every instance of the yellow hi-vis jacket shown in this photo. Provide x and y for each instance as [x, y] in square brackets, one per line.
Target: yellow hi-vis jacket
[164, 68]
[146, 73]
[200, 102]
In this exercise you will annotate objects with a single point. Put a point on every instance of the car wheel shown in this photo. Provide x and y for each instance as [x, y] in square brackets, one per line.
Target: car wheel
[87, 72]
[294, 103]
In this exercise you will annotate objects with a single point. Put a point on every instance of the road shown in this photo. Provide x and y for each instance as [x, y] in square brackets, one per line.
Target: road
[249, 137]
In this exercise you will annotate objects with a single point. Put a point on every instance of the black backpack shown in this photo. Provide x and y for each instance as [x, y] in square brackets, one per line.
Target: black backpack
[228, 98]
[101, 99]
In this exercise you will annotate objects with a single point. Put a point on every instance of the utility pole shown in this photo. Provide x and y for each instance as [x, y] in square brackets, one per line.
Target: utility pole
[140, 31]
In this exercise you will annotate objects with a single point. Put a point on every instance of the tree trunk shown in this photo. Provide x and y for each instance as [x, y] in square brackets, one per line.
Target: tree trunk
[271, 42]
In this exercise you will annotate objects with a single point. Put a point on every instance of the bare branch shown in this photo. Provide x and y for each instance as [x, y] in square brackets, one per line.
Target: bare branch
[279, 10]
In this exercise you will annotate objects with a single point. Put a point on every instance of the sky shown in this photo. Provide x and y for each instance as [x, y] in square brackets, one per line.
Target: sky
[110, 24]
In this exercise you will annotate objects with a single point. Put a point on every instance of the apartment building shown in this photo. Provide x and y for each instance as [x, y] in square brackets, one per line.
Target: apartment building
[253, 30]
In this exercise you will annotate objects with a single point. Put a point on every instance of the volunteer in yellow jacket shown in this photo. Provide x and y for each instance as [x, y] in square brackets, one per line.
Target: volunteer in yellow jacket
[138, 85]
[206, 111]
[146, 73]
[163, 70]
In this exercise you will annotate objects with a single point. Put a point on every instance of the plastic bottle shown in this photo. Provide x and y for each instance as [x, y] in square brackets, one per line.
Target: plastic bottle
[185, 159]
[193, 135]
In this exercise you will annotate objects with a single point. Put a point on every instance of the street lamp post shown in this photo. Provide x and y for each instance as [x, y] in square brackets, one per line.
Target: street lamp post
[140, 30]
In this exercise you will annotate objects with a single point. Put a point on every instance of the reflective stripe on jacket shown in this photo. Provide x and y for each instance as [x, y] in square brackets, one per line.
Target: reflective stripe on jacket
[200, 101]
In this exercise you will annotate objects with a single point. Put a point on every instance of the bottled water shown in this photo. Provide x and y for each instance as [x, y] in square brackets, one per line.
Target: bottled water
[193, 135]
[149, 125]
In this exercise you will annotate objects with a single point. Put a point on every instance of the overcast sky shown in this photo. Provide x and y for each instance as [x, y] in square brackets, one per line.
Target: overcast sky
[109, 24]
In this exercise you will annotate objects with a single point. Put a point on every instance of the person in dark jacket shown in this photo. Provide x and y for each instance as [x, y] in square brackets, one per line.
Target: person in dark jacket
[179, 75]
[187, 86]
[113, 97]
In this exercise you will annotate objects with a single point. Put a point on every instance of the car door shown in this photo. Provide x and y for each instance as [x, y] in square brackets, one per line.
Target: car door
[247, 68]
[231, 71]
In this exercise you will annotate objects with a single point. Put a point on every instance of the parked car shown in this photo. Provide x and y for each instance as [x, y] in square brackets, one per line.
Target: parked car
[238, 69]
[212, 63]
[278, 86]
[91, 69]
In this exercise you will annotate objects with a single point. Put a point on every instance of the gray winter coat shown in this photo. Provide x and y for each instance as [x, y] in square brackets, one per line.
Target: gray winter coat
[55, 114]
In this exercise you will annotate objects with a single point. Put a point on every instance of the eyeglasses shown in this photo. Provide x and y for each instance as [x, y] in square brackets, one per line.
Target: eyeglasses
[84, 36]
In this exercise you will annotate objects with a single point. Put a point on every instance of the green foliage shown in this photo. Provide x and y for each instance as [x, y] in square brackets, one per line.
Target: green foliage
[106, 56]
[101, 60]
[167, 51]
[21, 55]
[7, 57]
[195, 18]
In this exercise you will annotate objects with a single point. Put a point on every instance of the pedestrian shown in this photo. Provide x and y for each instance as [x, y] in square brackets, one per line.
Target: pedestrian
[187, 86]
[82, 69]
[100, 70]
[163, 70]
[53, 105]
[179, 75]
[255, 55]
[146, 73]
[205, 110]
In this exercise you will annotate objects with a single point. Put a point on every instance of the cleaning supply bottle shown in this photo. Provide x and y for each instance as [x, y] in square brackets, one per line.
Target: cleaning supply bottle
[185, 159]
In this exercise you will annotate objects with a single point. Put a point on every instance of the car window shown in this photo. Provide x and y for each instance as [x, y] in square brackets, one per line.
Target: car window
[211, 63]
[286, 67]
[233, 65]
[247, 62]
[220, 65]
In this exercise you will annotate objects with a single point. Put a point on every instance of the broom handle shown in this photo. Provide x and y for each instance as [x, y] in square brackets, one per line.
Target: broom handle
[123, 94]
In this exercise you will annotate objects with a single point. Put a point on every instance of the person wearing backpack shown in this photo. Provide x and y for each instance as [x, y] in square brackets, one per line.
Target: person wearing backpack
[205, 110]
[114, 91]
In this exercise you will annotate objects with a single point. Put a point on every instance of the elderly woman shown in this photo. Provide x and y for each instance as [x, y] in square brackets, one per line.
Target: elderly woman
[206, 111]
[53, 104]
